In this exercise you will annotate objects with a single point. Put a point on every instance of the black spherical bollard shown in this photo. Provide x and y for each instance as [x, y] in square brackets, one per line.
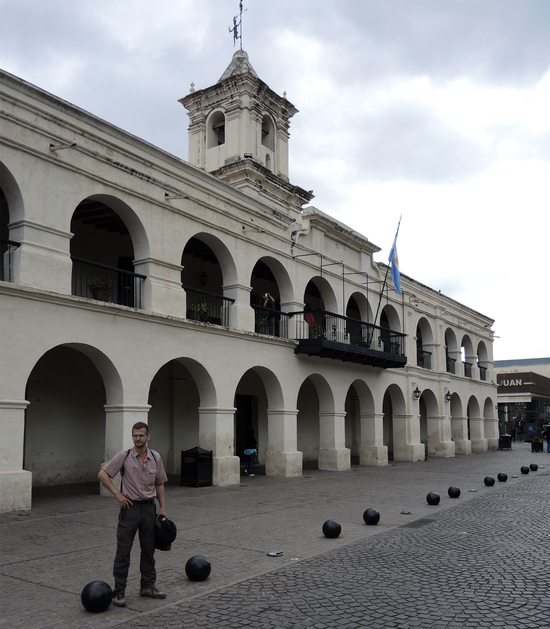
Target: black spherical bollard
[371, 516]
[197, 568]
[524, 469]
[489, 481]
[96, 596]
[331, 529]
[502, 477]
[454, 492]
[533, 467]
[433, 498]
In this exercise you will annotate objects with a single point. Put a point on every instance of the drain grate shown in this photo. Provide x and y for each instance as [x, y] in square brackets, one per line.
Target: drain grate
[417, 523]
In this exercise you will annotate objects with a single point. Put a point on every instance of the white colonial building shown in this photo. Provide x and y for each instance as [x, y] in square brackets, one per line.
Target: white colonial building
[134, 289]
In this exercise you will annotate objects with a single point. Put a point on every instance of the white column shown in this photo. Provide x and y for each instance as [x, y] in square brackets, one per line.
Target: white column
[372, 450]
[477, 434]
[406, 438]
[282, 457]
[162, 290]
[217, 433]
[459, 434]
[241, 314]
[439, 437]
[490, 429]
[333, 454]
[15, 482]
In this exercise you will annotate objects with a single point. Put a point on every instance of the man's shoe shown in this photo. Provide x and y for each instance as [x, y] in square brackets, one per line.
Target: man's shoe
[152, 592]
[119, 599]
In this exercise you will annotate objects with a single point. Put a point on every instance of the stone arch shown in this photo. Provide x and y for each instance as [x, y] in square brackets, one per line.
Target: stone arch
[452, 351]
[215, 129]
[11, 211]
[271, 292]
[314, 397]
[359, 407]
[393, 404]
[65, 422]
[429, 416]
[424, 343]
[268, 132]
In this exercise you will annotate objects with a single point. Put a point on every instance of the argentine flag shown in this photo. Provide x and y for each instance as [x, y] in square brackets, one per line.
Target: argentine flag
[394, 263]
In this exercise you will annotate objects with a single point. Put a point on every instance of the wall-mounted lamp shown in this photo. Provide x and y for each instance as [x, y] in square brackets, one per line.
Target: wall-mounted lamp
[417, 393]
[448, 396]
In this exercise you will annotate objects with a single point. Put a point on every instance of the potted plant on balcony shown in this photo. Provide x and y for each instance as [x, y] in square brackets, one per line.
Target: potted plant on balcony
[100, 288]
[199, 311]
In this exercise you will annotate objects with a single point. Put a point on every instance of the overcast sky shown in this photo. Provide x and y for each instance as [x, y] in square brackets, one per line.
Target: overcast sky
[438, 110]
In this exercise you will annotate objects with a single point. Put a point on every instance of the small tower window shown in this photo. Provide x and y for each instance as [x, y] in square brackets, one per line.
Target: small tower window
[268, 133]
[216, 130]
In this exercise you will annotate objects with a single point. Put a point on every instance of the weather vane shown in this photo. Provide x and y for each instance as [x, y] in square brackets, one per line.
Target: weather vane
[237, 28]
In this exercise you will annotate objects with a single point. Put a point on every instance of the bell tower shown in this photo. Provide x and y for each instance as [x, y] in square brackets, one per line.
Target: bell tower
[239, 131]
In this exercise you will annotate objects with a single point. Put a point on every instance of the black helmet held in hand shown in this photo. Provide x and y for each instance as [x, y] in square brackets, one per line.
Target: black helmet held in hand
[165, 533]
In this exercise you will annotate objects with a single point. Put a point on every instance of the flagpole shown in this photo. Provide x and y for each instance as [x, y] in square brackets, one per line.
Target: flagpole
[386, 276]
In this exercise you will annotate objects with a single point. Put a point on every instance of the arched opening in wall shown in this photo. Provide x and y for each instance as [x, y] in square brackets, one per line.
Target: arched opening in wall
[353, 424]
[265, 299]
[387, 410]
[268, 132]
[308, 424]
[355, 327]
[215, 135]
[102, 254]
[251, 423]
[467, 355]
[320, 303]
[482, 360]
[451, 351]
[202, 280]
[423, 419]
[174, 415]
[11, 209]
[424, 339]
[5, 249]
[65, 422]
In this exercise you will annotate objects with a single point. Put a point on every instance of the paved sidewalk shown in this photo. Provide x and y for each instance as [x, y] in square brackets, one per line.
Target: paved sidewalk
[477, 561]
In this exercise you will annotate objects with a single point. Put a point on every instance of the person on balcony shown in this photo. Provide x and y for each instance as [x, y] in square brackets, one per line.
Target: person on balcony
[269, 304]
[142, 481]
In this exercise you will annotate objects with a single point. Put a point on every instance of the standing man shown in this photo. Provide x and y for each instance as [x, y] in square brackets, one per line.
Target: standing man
[142, 480]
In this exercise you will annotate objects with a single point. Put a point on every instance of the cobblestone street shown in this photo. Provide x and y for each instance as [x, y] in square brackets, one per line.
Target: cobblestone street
[478, 561]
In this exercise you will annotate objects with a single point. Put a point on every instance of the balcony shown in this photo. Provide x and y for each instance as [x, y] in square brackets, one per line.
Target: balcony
[329, 335]
[106, 283]
[207, 307]
[271, 322]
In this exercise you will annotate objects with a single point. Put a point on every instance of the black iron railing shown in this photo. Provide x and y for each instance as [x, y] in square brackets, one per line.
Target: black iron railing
[451, 365]
[271, 322]
[322, 324]
[483, 373]
[467, 369]
[106, 283]
[207, 307]
[424, 359]
[6, 261]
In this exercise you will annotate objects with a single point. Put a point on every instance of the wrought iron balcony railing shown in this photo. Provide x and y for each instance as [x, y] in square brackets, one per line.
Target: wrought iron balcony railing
[271, 322]
[106, 283]
[207, 307]
[330, 335]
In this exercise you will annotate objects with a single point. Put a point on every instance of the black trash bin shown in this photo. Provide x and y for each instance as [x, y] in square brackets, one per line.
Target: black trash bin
[505, 442]
[196, 467]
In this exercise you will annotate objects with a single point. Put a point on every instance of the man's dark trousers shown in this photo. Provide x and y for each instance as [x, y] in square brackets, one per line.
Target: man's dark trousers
[140, 517]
